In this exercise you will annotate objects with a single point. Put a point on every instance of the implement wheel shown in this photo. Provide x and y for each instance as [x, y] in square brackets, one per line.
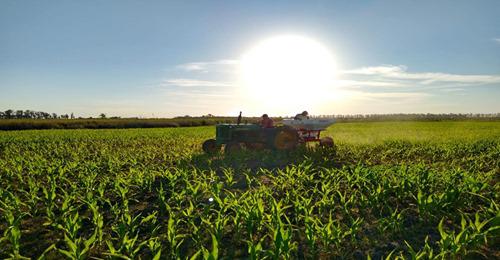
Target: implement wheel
[232, 148]
[210, 146]
[286, 139]
[326, 142]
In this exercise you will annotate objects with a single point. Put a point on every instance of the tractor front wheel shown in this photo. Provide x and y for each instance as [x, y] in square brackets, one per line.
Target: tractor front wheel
[210, 146]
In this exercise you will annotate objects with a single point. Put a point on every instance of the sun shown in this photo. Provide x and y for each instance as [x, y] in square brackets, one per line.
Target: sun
[287, 72]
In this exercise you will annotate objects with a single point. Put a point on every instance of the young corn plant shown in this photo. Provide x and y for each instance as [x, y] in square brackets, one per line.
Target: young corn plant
[254, 249]
[426, 253]
[49, 196]
[281, 233]
[97, 220]
[311, 235]
[217, 225]
[127, 231]
[331, 232]
[77, 247]
[254, 216]
[393, 222]
[208, 254]
[473, 233]
[154, 246]
[174, 237]
[283, 246]
[13, 232]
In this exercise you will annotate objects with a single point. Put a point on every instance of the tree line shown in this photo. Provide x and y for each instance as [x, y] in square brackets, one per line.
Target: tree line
[30, 114]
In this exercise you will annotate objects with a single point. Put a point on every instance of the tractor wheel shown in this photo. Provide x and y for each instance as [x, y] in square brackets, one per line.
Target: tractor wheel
[286, 139]
[210, 146]
[326, 142]
[232, 148]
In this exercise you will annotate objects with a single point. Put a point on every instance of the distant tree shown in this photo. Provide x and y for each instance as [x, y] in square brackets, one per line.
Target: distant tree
[19, 114]
[72, 115]
[8, 113]
[29, 114]
[54, 115]
[102, 115]
[2, 114]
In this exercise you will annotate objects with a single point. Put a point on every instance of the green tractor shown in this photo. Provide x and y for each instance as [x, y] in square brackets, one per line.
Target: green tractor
[290, 134]
[236, 137]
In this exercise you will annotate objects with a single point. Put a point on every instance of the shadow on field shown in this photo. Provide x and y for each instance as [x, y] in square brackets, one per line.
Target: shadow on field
[264, 159]
[246, 162]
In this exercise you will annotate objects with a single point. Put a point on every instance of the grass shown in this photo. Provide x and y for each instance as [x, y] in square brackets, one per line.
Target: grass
[387, 190]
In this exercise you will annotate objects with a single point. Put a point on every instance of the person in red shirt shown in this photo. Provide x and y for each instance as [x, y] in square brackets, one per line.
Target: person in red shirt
[266, 122]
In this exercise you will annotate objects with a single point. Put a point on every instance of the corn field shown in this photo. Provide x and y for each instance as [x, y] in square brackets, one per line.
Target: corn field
[386, 190]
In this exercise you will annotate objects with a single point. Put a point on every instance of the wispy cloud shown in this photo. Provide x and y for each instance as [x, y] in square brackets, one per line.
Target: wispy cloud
[390, 95]
[497, 40]
[453, 89]
[351, 83]
[400, 72]
[206, 65]
[376, 70]
[182, 82]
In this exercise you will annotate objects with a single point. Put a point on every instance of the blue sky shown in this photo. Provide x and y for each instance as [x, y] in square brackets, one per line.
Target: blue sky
[169, 58]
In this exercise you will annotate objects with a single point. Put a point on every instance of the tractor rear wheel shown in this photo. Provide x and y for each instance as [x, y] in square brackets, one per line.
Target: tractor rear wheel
[286, 139]
[232, 148]
[210, 146]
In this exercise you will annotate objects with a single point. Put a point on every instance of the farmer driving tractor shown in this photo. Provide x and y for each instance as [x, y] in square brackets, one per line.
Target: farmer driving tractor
[266, 122]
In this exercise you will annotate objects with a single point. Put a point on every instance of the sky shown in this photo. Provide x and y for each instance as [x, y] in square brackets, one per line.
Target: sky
[174, 58]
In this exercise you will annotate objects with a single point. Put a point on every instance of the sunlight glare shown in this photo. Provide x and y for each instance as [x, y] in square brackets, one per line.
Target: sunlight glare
[289, 72]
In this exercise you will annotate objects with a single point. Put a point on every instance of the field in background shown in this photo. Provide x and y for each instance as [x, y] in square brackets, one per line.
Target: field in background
[114, 123]
[27, 124]
[387, 189]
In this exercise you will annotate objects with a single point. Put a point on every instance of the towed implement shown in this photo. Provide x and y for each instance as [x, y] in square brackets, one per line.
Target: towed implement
[287, 136]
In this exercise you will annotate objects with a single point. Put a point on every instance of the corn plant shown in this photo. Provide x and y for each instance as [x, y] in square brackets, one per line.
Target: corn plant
[472, 233]
[13, 233]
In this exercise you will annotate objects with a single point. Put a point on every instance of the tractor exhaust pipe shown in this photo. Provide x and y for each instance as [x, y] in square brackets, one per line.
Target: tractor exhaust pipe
[239, 119]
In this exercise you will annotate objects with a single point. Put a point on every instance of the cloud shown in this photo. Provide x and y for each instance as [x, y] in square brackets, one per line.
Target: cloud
[497, 40]
[206, 65]
[344, 83]
[377, 70]
[453, 89]
[395, 94]
[391, 72]
[393, 97]
[183, 82]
